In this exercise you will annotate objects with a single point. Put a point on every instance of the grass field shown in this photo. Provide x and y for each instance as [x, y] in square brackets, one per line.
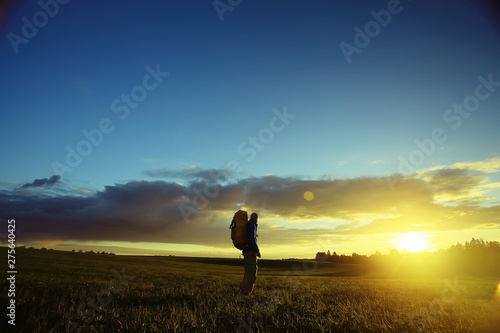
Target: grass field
[79, 292]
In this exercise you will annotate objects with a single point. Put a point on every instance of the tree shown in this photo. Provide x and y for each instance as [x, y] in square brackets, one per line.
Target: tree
[393, 252]
[321, 256]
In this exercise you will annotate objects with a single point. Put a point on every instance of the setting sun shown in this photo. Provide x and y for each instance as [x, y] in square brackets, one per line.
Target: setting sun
[412, 242]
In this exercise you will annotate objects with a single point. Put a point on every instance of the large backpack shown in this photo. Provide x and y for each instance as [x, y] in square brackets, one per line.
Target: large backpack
[238, 228]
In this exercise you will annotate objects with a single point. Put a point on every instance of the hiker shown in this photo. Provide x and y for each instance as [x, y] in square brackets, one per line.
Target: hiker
[250, 255]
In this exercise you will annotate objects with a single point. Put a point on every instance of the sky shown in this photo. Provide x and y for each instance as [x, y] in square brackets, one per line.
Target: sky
[141, 127]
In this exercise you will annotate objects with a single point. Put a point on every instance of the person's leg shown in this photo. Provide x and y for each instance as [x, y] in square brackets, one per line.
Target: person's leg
[242, 284]
[252, 269]
[250, 259]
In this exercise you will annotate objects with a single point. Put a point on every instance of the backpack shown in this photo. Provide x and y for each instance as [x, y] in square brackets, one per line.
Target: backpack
[238, 228]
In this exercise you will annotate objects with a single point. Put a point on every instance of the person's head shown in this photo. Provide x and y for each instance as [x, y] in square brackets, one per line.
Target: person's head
[254, 217]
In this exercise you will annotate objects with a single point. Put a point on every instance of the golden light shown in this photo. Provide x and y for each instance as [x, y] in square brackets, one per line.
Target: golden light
[308, 195]
[412, 242]
[497, 294]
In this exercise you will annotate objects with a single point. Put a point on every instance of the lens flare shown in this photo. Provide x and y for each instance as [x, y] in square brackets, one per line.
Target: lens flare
[308, 195]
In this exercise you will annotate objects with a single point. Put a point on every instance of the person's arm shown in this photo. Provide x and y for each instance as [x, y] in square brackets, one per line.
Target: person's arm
[251, 238]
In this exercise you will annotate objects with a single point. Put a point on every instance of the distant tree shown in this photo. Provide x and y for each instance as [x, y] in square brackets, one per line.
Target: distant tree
[475, 258]
[393, 252]
[321, 256]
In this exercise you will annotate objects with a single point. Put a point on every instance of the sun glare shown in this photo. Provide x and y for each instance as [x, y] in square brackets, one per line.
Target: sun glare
[412, 242]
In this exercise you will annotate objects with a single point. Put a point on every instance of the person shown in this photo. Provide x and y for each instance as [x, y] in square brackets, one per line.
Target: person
[250, 255]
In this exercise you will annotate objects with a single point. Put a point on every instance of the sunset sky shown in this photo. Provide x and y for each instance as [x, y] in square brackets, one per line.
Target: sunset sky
[140, 127]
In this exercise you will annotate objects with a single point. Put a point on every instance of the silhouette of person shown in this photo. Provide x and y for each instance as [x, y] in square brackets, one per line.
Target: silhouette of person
[250, 255]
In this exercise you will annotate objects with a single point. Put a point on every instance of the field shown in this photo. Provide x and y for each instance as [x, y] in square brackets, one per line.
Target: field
[78, 292]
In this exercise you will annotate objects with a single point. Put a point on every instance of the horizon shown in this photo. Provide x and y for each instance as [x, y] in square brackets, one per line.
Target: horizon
[111, 250]
[349, 127]
[377, 253]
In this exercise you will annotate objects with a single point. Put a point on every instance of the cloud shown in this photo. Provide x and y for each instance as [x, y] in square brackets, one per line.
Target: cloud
[194, 173]
[42, 182]
[138, 210]
[461, 182]
[490, 165]
[438, 199]
[334, 199]
[377, 162]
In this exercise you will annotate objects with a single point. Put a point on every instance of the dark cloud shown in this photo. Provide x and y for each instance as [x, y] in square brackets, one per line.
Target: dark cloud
[42, 182]
[456, 182]
[199, 212]
[136, 211]
[194, 174]
[337, 198]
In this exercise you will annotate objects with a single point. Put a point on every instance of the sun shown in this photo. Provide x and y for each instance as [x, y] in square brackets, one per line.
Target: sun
[412, 242]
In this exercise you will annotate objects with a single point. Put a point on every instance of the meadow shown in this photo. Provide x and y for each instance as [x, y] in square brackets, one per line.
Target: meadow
[79, 292]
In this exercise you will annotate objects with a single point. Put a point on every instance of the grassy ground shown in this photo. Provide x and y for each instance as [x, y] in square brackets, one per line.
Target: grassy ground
[63, 291]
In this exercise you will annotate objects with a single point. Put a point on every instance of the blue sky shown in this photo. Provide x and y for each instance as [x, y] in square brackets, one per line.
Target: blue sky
[228, 78]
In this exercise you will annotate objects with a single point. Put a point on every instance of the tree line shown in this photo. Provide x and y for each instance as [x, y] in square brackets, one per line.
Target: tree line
[475, 257]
